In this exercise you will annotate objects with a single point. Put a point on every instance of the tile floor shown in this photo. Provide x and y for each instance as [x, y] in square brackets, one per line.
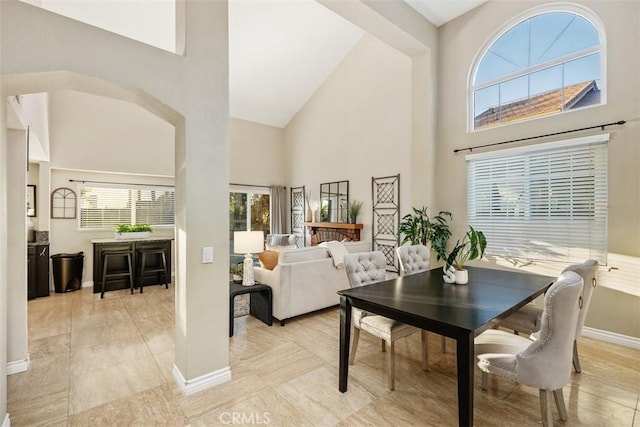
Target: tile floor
[107, 363]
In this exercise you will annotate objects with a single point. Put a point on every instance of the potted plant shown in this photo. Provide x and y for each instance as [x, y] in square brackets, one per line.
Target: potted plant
[419, 229]
[471, 247]
[354, 210]
[132, 231]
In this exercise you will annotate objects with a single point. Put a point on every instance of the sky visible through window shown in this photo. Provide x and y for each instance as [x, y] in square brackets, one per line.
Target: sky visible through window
[543, 39]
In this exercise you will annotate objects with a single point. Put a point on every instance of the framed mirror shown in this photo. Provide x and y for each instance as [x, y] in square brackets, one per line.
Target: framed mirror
[31, 200]
[334, 201]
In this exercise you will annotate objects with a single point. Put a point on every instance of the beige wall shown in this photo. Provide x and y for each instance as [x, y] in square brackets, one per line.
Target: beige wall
[95, 133]
[356, 126]
[460, 40]
[195, 102]
[257, 153]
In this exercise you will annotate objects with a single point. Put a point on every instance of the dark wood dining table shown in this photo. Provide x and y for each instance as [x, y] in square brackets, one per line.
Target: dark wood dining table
[460, 312]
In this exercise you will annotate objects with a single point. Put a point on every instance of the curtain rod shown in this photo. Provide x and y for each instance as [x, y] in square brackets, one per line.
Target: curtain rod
[119, 183]
[251, 185]
[602, 126]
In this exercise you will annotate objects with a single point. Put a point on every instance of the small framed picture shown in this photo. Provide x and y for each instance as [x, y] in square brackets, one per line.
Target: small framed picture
[31, 200]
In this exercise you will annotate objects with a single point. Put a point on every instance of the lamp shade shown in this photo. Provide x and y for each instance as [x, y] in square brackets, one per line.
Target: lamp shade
[248, 242]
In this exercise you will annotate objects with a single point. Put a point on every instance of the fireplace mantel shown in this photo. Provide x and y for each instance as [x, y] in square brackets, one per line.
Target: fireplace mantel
[325, 231]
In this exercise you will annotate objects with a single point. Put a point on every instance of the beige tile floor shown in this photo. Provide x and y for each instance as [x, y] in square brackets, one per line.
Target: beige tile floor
[108, 363]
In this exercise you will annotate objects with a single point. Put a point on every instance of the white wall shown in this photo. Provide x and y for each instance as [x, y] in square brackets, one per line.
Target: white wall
[356, 126]
[460, 40]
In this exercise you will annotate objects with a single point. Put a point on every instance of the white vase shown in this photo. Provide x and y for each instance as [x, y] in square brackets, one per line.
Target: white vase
[462, 277]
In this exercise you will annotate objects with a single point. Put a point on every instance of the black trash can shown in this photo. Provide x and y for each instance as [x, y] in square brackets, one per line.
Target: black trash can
[67, 271]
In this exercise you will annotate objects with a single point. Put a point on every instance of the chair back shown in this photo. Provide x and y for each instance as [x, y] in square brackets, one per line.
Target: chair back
[588, 270]
[363, 268]
[413, 258]
[546, 363]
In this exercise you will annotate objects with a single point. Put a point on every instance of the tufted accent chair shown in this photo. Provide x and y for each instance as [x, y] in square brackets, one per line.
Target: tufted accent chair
[544, 362]
[363, 269]
[414, 259]
[528, 319]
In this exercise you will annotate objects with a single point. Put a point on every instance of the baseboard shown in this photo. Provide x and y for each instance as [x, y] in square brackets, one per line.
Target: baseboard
[18, 366]
[7, 421]
[202, 382]
[87, 284]
[612, 337]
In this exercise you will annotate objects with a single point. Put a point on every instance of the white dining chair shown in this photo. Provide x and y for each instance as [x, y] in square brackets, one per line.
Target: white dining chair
[414, 259]
[542, 361]
[362, 269]
[527, 319]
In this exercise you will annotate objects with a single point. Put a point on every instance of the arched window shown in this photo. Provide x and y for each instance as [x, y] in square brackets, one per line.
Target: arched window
[547, 63]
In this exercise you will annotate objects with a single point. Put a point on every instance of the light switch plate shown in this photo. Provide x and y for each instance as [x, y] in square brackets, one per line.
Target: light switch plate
[207, 255]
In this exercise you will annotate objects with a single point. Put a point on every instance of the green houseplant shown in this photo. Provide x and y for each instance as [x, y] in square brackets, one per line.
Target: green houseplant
[420, 229]
[132, 231]
[132, 228]
[472, 246]
[354, 210]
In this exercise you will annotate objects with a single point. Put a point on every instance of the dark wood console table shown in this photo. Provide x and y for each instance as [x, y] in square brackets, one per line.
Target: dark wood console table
[101, 245]
[326, 231]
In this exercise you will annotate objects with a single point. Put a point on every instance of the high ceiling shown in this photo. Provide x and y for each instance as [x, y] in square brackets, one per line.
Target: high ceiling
[280, 52]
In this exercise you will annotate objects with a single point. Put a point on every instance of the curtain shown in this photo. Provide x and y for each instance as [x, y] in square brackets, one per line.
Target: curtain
[278, 209]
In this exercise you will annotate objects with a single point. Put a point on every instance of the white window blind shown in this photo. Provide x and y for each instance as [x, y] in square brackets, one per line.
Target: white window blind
[104, 207]
[545, 202]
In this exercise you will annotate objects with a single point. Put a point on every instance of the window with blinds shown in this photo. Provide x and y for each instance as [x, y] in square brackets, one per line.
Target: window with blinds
[104, 207]
[545, 202]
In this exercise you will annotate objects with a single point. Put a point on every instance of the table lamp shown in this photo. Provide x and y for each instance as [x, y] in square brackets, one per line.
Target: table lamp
[248, 242]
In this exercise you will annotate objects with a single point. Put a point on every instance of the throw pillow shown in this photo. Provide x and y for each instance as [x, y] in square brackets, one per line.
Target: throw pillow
[268, 259]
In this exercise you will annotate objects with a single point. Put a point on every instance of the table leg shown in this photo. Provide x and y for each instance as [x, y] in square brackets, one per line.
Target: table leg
[465, 362]
[345, 337]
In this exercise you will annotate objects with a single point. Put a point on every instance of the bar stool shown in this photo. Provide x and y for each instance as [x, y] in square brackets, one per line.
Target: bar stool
[106, 275]
[143, 270]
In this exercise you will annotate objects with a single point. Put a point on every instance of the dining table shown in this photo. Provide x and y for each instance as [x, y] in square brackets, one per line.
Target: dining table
[460, 312]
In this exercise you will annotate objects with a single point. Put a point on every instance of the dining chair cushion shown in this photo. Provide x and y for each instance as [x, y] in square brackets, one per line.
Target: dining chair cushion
[496, 341]
[385, 328]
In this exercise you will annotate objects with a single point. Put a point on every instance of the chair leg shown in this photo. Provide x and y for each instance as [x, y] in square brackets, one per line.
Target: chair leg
[391, 362]
[164, 272]
[130, 273]
[443, 340]
[104, 275]
[425, 350]
[576, 360]
[545, 408]
[562, 409]
[485, 381]
[354, 345]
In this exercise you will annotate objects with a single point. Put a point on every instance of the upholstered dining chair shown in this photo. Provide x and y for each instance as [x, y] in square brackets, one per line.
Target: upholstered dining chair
[527, 319]
[544, 362]
[362, 269]
[414, 259]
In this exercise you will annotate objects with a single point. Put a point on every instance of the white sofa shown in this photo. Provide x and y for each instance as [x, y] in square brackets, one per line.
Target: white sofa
[305, 280]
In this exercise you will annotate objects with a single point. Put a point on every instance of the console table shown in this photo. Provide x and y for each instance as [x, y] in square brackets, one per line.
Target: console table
[326, 231]
[101, 245]
[259, 305]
